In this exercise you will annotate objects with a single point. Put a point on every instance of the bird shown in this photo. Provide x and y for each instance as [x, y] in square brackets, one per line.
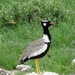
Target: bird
[39, 47]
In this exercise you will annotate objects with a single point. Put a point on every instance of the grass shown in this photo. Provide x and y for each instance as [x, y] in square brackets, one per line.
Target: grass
[15, 38]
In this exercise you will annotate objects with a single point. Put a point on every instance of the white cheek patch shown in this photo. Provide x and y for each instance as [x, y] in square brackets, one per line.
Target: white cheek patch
[39, 51]
[44, 24]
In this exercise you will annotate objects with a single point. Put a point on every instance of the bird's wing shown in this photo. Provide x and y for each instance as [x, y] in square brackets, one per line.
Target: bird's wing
[34, 47]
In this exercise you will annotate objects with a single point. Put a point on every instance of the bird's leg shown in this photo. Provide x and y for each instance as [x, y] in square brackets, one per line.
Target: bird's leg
[37, 66]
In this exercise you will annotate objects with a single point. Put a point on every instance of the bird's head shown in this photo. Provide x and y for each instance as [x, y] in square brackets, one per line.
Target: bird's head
[46, 23]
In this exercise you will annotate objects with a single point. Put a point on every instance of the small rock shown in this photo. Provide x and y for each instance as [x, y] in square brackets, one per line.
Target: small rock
[50, 73]
[22, 67]
[25, 69]
[73, 61]
[4, 72]
[33, 73]
[44, 73]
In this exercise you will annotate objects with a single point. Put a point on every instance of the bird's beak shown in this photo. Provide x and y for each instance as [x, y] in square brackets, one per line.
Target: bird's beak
[51, 23]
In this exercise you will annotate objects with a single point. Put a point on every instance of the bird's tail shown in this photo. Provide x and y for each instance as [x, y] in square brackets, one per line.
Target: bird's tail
[23, 59]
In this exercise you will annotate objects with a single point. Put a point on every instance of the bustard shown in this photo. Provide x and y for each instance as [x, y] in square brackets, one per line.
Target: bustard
[38, 48]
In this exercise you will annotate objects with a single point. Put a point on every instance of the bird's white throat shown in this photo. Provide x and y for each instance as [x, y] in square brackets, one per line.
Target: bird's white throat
[46, 38]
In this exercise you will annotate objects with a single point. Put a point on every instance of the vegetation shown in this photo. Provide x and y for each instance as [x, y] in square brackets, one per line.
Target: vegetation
[20, 25]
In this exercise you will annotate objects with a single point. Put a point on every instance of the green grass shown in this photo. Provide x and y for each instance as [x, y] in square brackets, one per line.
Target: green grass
[15, 38]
